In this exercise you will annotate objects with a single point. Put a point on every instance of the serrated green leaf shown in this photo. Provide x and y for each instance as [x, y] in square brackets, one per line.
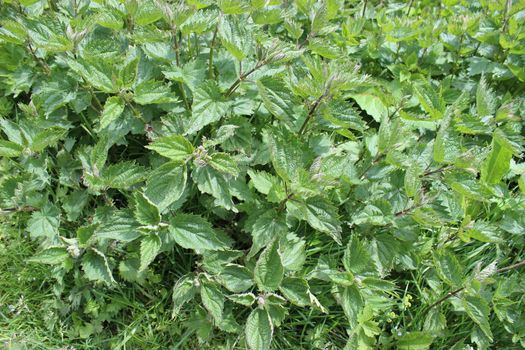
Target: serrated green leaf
[213, 300]
[44, 223]
[174, 147]
[209, 106]
[145, 211]
[236, 278]
[485, 99]
[166, 185]
[149, 249]
[478, 310]
[183, 292]
[119, 226]
[277, 98]
[113, 108]
[224, 163]
[497, 163]
[10, 149]
[153, 92]
[356, 258]
[194, 232]
[259, 330]
[269, 270]
[96, 267]
[296, 290]
[415, 341]
[51, 256]
[448, 268]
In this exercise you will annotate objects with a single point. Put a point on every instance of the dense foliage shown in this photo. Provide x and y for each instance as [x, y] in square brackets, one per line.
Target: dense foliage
[266, 174]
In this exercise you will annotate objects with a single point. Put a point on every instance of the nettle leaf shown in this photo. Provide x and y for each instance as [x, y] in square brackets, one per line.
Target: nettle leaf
[183, 292]
[174, 147]
[224, 163]
[97, 72]
[10, 149]
[45, 223]
[149, 249]
[213, 300]
[478, 310]
[194, 232]
[265, 229]
[120, 226]
[319, 213]
[236, 278]
[356, 258]
[123, 175]
[277, 98]
[415, 341]
[258, 330]
[113, 109]
[430, 100]
[287, 153]
[96, 267]
[146, 212]
[372, 103]
[269, 270]
[148, 12]
[212, 182]
[485, 99]
[497, 163]
[153, 92]
[51, 256]
[166, 184]
[235, 36]
[209, 106]
[296, 290]
[46, 138]
[448, 268]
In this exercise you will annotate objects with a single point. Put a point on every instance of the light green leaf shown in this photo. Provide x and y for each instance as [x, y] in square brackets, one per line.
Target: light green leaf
[146, 212]
[372, 104]
[10, 149]
[209, 105]
[485, 99]
[46, 138]
[183, 292]
[296, 290]
[96, 267]
[497, 163]
[120, 226]
[478, 310]
[277, 98]
[51, 256]
[174, 147]
[266, 228]
[98, 73]
[259, 330]
[44, 223]
[213, 300]
[415, 341]
[166, 184]
[430, 100]
[448, 268]
[194, 232]
[235, 36]
[236, 278]
[356, 258]
[113, 108]
[153, 92]
[147, 13]
[224, 163]
[269, 270]
[149, 249]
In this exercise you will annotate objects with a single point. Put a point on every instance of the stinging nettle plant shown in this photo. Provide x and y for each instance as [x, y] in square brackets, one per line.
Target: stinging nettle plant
[347, 171]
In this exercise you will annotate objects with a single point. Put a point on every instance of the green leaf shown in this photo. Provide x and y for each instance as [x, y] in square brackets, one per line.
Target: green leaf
[269, 270]
[258, 330]
[246, 299]
[146, 212]
[212, 182]
[123, 175]
[98, 73]
[120, 226]
[51, 256]
[44, 223]
[96, 267]
[319, 213]
[485, 99]
[448, 268]
[194, 232]
[174, 147]
[265, 229]
[372, 104]
[113, 108]
[296, 290]
[277, 98]
[356, 258]
[213, 300]
[412, 182]
[153, 92]
[430, 100]
[415, 341]
[224, 163]
[10, 149]
[235, 36]
[183, 292]
[236, 278]
[497, 163]
[46, 138]
[166, 184]
[147, 12]
[209, 106]
[478, 310]
[287, 153]
[149, 249]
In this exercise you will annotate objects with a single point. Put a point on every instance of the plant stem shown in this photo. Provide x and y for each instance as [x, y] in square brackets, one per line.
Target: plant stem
[364, 9]
[243, 76]
[316, 104]
[210, 60]
[38, 60]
